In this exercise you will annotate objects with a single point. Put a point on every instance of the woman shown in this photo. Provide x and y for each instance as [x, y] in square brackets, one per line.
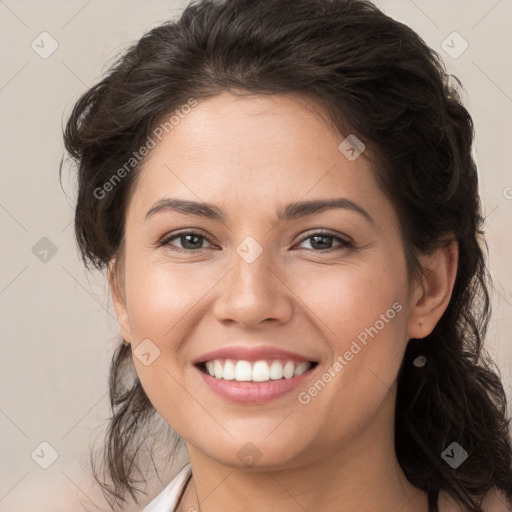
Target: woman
[284, 196]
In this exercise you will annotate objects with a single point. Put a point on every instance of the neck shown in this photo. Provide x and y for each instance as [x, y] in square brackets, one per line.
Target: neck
[363, 475]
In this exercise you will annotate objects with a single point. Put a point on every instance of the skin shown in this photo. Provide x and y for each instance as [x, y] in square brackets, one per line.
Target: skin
[250, 155]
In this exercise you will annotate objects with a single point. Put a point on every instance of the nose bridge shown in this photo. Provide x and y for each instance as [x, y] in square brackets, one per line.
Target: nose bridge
[252, 266]
[252, 274]
[252, 292]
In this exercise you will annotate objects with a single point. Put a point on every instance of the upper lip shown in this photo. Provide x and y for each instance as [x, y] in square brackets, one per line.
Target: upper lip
[239, 352]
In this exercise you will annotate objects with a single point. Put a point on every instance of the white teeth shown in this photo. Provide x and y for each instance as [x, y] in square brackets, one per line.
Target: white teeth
[243, 371]
[276, 370]
[217, 366]
[288, 369]
[258, 371]
[229, 370]
[301, 368]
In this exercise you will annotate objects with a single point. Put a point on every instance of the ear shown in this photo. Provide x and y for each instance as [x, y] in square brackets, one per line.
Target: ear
[119, 301]
[431, 297]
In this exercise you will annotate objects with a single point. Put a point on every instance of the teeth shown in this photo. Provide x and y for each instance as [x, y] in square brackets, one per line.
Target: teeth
[243, 371]
[217, 367]
[229, 370]
[276, 370]
[258, 371]
[301, 368]
[288, 370]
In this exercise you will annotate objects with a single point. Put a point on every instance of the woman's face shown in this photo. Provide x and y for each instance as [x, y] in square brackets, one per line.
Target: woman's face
[247, 280]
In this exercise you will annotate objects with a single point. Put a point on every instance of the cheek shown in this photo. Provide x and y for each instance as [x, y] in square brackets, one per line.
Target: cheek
[362, 313]
[162, 305]
[161, 297]
[351, 298]
[342, 302]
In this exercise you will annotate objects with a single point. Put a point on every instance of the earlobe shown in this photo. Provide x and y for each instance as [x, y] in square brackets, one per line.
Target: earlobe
[432, 296]
[119, 301]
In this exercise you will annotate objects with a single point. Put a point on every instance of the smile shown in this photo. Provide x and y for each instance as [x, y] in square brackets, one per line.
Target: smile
[254, 374]
[255, 371]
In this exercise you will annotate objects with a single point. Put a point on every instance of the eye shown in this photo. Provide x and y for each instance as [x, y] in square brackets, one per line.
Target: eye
[320, 240]
[189, 240]
[192, 241]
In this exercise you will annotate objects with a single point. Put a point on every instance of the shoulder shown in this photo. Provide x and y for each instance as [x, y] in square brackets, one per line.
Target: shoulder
[494, 501]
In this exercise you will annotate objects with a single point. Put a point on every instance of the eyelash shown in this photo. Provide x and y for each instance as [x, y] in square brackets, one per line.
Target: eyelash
[344, 243]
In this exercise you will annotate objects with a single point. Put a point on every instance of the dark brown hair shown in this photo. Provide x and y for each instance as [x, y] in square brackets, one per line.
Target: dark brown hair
[377, 79]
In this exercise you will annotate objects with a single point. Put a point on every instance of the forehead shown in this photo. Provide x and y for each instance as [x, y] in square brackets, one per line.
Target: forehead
[252, 151]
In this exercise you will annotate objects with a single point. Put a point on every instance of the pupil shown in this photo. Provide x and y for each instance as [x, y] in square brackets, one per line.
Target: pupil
[313, 242]
[186, 237]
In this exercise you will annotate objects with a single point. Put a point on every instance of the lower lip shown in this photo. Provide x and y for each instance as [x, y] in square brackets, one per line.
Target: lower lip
[253, 392]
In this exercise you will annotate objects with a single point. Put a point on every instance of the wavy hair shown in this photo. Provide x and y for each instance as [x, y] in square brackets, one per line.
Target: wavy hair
[377, 79]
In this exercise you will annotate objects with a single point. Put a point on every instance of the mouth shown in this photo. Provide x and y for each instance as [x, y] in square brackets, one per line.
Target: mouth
[265, 370]
[254, 374]
[254, 382]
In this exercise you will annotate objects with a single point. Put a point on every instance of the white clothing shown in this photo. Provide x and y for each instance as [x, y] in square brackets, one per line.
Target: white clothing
[167, 500]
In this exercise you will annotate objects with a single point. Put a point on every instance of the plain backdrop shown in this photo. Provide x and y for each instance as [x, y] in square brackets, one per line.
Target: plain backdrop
[57, 324]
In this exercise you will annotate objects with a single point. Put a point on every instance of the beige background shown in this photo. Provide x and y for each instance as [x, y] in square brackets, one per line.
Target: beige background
[57, 325]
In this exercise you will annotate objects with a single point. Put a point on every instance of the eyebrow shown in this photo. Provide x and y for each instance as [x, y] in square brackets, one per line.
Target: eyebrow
[288, 212]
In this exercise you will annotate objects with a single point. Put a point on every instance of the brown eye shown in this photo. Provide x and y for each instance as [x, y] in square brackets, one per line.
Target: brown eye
[189, 240]
[323, 241]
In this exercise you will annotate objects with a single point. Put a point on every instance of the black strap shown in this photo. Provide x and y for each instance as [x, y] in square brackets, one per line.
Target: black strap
[433, 494]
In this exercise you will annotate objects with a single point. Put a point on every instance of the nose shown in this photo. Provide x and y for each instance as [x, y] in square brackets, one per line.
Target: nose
[253, 293]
